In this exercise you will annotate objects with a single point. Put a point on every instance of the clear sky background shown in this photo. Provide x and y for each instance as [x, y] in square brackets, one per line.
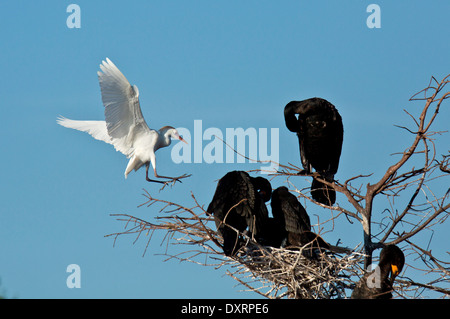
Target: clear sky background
[228, 63]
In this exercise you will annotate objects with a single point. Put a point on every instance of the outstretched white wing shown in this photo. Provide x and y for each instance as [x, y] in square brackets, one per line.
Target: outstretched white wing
[95, 128]
[124, 120]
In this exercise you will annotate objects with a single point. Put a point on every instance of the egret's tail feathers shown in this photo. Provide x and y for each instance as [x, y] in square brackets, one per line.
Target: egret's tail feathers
[95, 128]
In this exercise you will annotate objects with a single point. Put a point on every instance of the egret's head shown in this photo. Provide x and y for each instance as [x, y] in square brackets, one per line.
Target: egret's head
[172, 132]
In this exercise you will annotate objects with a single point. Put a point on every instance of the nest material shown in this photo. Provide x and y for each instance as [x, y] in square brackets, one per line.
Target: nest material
[299, 272]
[271, 272]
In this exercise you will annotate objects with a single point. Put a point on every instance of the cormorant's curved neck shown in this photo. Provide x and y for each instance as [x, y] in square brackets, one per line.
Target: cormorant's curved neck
[263, 186]
[289, 116]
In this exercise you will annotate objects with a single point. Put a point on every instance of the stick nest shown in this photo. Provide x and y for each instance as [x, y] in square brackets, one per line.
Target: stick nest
[299, 273]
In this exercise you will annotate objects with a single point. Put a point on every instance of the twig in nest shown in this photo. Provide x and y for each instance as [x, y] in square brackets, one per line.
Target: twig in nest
[271, 272]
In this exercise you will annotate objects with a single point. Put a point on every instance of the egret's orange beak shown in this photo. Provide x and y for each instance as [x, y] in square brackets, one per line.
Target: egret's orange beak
[183, 140]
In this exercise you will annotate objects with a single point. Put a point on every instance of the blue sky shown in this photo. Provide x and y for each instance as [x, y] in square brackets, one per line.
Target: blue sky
[227, 63]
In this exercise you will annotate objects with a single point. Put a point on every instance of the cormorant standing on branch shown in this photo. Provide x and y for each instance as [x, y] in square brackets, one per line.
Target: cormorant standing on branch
[290, 215]
[238, 203]
[295, 223]
[378, 283]
[320, 134]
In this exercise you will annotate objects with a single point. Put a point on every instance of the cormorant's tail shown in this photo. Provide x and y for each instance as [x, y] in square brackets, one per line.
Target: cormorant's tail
[314, 241]
[323, 193]
[340, 250]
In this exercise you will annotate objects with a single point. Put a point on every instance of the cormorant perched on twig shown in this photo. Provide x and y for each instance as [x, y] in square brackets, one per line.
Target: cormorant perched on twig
[295, 223]
[371, 286]
[290, 215]
[320, 134]
[238, 203]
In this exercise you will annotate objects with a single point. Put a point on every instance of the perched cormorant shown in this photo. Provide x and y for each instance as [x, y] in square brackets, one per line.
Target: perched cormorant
[290, 215]
[391, 264]
[239, 202]
[320, 134]
[295, 223]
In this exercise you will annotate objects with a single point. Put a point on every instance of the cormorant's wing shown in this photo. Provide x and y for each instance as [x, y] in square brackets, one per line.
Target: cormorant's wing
[234, 189]
[295, 216]
[124, 120]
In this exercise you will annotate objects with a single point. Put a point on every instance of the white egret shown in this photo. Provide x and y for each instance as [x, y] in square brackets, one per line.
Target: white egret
[124, 126]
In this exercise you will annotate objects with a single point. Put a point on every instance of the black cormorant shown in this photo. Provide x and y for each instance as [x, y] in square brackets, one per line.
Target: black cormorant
[295, 223]
[239, 202]
[391, 264]
[320, 134]
[290, 215]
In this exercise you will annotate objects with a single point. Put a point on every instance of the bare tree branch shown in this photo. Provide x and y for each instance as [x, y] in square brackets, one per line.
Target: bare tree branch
[414, 206]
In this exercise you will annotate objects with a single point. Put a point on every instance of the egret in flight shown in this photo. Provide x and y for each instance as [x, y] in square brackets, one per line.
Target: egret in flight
[124, 126]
